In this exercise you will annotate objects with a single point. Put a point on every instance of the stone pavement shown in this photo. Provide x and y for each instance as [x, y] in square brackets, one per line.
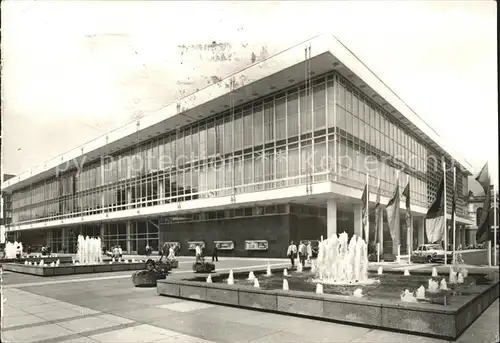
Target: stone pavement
[107, 308]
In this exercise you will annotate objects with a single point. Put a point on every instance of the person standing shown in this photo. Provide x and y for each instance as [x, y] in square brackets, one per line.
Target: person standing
[197, 251]
[215, 253]
[302, 253]
[309, 252]
[292, 252]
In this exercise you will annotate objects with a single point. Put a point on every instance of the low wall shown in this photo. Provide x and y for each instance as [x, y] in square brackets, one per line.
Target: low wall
[418, 318]
[73, 269]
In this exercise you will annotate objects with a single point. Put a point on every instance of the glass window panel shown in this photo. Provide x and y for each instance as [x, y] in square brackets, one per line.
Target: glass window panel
[248, 128]
[258, 122]
[280, 112]
[305, 112]
[341, 118]
[292, 114]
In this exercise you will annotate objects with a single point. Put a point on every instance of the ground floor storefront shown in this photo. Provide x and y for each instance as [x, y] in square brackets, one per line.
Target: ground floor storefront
[257, 231]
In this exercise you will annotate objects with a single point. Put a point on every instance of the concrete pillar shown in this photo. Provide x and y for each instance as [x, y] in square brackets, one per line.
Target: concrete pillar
[101, 233]
[129, 224]
[421, 233]
[48, 238]
[331, 217]
[358, 220]
[381, 231]
[161, 191]
[396, 240]
[64, 238]
[129, 197]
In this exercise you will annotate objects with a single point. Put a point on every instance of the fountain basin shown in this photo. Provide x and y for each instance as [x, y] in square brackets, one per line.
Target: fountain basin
[421, 318]
[71, 269]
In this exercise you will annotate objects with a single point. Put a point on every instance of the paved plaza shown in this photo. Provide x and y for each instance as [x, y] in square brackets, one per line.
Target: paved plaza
[107, 308]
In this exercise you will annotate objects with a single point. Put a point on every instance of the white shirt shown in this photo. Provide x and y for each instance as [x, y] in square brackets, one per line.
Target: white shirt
[291, 248]
[198, 250]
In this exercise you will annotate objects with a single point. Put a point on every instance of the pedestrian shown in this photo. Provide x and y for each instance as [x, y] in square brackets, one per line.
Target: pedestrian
[215, 253]
[302, 253]
[148, 249]
[292, 252]
[309, 252]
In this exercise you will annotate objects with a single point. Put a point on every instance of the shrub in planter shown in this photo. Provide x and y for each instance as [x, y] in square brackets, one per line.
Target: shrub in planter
[203, 267]
[388, 257]
[372, 257]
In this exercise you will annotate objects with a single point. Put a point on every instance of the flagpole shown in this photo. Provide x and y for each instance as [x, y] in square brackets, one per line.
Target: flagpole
[495, 226]
[408, 234]
[367, 231]
[445, 213]
[377, 225]
[454, 215]
[398, 221]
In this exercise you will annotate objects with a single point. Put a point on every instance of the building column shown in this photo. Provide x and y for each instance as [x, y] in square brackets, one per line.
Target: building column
[331, 217]
[128, 225]
[396, 240]
[381, 231]
[161, 191]
[358, 220]
[48, 238]
[64, 238]
[101, 233]
[420, 228]
[129, 197]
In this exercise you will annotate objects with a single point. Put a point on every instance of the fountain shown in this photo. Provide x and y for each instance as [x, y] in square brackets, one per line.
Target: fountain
[285, 272]
[268, 271]
[12, 249]
[339, 263]
[58, 263]
[285, 285]
[358, 293]
[319, 288]
[41, 263]
[89, 250]
[433, 286]
[256, 283]
[460, 278]
[209, 278]
[408, 297]
[421, 293]
[465, 272]
[251, 276]
[299, 268]
[53, 264]
[443, 286]
[434, 272]
[230, 279]
[26, 263]
[380, 270]
[453, 276]
[406, 272]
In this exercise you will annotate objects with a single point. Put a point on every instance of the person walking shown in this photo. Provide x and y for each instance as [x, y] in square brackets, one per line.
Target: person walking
[309, 252]
[302, 253]
[292, 252]
[215, 253]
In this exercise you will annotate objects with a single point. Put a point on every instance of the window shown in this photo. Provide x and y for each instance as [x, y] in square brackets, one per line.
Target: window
[280, 113]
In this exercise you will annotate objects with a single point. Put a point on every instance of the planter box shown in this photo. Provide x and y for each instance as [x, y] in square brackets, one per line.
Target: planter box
[72, 269]
[427, 319]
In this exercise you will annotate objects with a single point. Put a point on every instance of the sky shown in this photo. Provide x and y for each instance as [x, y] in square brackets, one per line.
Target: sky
[71, 71]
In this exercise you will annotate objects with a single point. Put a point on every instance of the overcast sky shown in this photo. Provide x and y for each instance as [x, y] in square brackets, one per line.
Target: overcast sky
[72, 71]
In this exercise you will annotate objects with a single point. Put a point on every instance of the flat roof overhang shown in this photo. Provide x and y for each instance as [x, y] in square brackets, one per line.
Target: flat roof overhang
[258, 80]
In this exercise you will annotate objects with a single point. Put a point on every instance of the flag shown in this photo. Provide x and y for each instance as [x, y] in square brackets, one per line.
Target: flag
[364, 199]
[406, 194]
[483, 229]
[392, 210]
[434, 220]
[377, 214]
[484, 178]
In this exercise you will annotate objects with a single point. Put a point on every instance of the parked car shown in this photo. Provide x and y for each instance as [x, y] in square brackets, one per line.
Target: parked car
[431, 253]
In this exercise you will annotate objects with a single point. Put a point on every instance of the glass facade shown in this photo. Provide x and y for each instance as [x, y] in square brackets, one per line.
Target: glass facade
[327, 131]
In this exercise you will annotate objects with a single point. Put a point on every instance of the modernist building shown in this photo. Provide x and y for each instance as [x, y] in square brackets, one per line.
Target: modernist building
[273, 153]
